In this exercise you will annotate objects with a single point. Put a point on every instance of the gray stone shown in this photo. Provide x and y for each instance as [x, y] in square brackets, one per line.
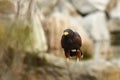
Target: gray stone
[28, 14]
[7, 7]
[66, 8]
[88, 6]
[46, 6]
[114, 28]
[7, 11]
[55, 26]
[39, 39]
[83, 70]
[114, 24]
[96, 26]
[115, 12]
[116, 62]
[113, 8]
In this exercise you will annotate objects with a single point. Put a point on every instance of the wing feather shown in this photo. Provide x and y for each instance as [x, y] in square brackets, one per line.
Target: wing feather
[79, 40]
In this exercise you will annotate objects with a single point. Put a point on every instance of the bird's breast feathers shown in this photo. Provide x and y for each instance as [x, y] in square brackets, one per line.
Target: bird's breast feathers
[70, 44]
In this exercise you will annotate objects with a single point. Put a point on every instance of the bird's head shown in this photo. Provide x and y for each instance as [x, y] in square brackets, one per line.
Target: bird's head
[68, 32]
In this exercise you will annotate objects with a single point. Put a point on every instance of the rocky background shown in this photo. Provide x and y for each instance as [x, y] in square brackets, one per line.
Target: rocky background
[30, 33]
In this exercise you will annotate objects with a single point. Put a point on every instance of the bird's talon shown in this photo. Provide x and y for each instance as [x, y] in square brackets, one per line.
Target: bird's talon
[82, 56]
[78, 59]
[68, 59]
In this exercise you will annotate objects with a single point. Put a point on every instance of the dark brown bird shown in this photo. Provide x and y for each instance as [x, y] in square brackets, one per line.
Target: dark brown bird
[71, 43]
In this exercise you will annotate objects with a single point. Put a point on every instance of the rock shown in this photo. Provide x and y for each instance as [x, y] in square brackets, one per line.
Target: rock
[96, 26]
[24, 8]
[114, 28]
[116, 62]
[88, 6]
[39, 39]
[116, 50]
[27, 14]
[46, 6]
[113, 24]
[7, 11]
[113, 9]
[83, 70]
[31, 15]
[111, 5]
[66, 8]
[115, 13]
[21, 8]
[55, 26]
[7, 7]
[49, 67]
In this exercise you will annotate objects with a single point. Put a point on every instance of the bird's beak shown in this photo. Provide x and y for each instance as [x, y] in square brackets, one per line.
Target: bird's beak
[65, 33]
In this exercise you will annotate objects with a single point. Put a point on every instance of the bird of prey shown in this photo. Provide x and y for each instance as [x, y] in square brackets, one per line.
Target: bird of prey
[71, 43]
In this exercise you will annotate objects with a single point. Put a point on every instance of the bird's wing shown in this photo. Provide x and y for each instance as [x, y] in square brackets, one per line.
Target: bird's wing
[62, 44]
[79, 40]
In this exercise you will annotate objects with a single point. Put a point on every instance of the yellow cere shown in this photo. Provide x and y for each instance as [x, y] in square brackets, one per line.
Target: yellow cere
[66, 33]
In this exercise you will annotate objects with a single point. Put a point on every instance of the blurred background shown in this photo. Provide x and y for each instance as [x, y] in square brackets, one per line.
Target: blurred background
[30, 39]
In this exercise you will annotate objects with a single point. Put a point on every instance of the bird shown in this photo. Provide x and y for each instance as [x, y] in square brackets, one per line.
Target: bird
[71, 42]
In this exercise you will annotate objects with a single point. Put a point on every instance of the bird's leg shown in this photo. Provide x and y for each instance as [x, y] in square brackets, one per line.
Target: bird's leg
[78, 59]
[67, 59]
[67, 55]
[81, 54]
[78, 55]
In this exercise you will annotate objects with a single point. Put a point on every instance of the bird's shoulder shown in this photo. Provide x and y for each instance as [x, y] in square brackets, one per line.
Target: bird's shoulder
[78, 38]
